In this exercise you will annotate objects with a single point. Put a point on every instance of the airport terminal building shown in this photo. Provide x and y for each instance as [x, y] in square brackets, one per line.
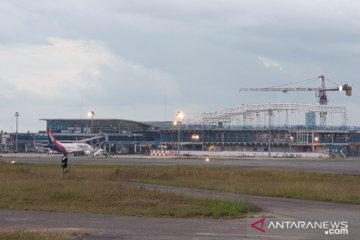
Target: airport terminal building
[243, 129]
[119, 136]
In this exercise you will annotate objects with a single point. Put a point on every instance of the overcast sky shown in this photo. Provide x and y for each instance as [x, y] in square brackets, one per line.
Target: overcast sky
[146, 60]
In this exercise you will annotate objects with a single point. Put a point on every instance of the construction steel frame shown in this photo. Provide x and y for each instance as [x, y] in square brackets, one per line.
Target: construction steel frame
[227, 115]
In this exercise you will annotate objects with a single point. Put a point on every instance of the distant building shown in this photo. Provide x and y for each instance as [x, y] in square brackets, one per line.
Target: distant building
[310, 119]
[6, 144]
[122, 136]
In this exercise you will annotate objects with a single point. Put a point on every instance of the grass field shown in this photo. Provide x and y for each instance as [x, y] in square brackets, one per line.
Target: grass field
[288, 184]
[22, 235]
[97, 189]
[102, 189]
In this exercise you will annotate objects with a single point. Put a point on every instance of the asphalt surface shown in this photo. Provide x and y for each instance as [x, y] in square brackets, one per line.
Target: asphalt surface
[96, 227]
[110, 227]
[282, 209]
[340, 166]
[275, 209]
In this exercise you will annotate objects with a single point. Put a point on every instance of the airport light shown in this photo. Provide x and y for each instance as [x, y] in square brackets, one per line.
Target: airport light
[195, 138]
[314, 139]
[91, 114]
[16, 133]
[178, 122]
[179, 117]
[291, 140]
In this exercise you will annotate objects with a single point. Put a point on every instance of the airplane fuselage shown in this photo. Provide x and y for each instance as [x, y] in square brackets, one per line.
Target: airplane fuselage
[78, 148]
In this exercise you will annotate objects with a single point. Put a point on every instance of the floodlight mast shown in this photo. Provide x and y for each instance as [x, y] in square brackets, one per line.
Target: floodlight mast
[320, 93]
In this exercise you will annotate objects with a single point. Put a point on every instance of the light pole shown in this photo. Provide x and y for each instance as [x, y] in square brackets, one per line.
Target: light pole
[269, 148]
[176, 124]
[291, 141]
[195, 138]
[179, 119]
[16, 133]
[91, 114]
[315, 140]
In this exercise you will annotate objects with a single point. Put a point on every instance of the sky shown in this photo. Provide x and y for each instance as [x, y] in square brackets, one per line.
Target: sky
[145, 60]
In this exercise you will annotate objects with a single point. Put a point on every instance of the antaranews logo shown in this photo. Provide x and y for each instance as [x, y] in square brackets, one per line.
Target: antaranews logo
[329, 227]
[257, 223]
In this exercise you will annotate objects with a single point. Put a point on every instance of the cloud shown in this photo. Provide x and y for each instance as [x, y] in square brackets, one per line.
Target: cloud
[125, 57]
[56, 77]
[47, 70]
[270, 63]
[77, 68]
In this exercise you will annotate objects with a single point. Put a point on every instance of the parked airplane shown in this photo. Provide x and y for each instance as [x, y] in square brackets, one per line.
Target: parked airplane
[76, 148]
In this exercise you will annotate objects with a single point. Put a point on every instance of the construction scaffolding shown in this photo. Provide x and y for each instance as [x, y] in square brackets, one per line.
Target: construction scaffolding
[247, 113]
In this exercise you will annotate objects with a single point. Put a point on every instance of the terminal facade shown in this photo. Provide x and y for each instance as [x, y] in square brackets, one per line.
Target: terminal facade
[246, 128]
[119, 136]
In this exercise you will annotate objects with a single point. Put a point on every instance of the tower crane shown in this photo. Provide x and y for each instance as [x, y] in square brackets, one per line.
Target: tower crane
[320, 93]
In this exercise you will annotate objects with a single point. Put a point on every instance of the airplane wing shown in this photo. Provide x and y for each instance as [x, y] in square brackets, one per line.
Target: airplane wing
[92, 138]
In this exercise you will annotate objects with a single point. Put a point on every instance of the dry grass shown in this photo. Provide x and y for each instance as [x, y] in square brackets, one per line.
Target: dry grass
[289, 184]
[99, 190]
[106, 190]
[24, 235]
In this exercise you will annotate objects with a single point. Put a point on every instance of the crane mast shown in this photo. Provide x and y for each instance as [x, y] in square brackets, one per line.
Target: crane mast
[321, 93]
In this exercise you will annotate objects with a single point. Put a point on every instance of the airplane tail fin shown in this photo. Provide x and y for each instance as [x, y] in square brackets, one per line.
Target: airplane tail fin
[51, 136]
[57, 145]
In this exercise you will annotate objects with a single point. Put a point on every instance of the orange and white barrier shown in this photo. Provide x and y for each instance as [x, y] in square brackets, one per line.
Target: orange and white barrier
[162, 153]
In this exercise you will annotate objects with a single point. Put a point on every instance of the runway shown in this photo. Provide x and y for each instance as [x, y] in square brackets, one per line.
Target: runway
[340, 166]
